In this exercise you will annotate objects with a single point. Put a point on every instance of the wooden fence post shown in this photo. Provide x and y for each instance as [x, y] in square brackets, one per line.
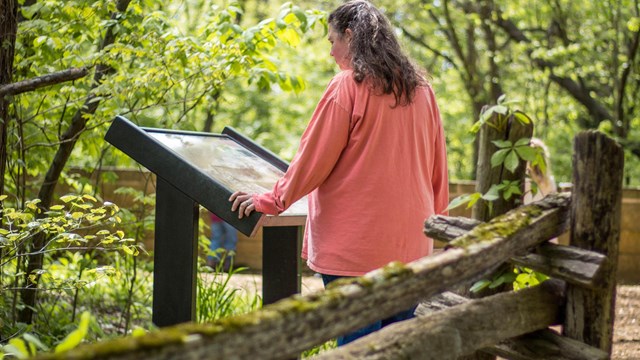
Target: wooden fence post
[598, 163]
[498, 127]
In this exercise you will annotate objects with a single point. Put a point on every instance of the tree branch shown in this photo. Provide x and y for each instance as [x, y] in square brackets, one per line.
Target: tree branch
[422, 43]
[42, 81]
[455, 41]
[624, 77]
[596, 109]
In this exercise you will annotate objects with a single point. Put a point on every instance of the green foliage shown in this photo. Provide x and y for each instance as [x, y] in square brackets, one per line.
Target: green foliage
[78, 232]
[76, 336]
[161, 72]
[217, 299]
[475, 55]
[520, 277]
[507, 155]
[329, 345]
[74, 224]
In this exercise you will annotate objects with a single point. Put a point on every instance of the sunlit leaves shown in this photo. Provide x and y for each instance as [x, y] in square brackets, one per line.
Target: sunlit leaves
[634, 24]
[75, 337]
[65, 225]
[471, 199]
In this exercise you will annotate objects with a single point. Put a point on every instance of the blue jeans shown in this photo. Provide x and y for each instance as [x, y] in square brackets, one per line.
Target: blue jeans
[223, 236]
[345, 339]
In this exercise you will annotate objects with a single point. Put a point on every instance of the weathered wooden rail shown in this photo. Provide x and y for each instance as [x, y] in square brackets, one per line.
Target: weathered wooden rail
[449, 326]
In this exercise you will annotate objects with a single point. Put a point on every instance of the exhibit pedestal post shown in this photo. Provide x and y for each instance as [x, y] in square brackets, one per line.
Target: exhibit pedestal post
[280, 262]
[175, 256]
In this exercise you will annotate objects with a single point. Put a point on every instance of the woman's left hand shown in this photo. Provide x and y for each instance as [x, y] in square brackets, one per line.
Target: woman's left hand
[242, 202]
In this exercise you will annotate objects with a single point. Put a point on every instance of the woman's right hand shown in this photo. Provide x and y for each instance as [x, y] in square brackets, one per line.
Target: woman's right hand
[242, 202]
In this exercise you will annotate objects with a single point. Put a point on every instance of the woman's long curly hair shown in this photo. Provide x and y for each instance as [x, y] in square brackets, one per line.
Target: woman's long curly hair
[375, 52]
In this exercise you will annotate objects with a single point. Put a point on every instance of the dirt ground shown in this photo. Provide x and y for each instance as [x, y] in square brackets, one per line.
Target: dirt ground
[626, 336]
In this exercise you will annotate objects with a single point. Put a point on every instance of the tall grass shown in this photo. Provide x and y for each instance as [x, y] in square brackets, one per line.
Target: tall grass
[217, 298]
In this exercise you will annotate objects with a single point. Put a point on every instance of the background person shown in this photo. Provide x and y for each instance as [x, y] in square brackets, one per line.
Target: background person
[541, 176]
[372, 159]
[224, 239]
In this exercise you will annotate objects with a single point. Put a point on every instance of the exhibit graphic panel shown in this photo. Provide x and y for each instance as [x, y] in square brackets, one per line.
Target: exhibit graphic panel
[206, 167]
[228, 162]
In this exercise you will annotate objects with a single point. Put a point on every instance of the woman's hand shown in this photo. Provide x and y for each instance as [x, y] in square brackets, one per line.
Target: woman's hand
[242, 202]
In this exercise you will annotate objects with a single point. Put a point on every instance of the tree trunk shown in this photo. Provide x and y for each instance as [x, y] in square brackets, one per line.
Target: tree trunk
[8, 30]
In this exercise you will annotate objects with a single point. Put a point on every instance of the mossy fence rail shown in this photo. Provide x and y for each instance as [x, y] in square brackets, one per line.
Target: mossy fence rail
[516, 324]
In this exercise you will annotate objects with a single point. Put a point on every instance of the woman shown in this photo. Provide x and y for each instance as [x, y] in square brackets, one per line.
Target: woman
[372, 158]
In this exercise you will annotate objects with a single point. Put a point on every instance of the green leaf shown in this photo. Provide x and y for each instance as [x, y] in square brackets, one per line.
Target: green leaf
[523, 142]
[498, 157]
[493, 193]
[37, 42]
[522, 117]
[487, 114]
[509, 188]
[501, 144]
[474, 199]
[302, 17]
[131, 250]
[476, 127]
[540, 276]
[75, 337]
[507, 277]
[34, 340]
[527, 153]
[511, 161]
[138, 331]
[18, 348]
[501, 109]
[89, 197]
[634, 24]
[460, 200]
[68, 198]
[57, 207]
[479, 285]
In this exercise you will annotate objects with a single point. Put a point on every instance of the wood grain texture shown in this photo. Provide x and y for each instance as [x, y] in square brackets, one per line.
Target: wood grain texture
[598, 164]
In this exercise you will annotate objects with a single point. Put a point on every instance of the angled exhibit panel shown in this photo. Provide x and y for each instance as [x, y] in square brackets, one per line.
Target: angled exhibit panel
[206, 167]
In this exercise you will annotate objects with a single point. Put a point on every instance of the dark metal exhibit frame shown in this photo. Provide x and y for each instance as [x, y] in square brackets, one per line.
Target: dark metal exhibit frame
[181, 188]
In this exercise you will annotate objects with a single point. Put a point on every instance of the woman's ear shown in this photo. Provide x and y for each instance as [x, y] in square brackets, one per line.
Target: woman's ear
[347, 35]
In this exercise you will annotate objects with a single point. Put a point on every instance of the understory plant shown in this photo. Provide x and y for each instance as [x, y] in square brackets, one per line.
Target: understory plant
[82, 236]
[217, 298]
[95, 282]
[508, 155]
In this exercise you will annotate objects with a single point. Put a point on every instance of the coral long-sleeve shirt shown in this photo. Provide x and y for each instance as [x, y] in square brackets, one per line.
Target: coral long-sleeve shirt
[373, 173]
